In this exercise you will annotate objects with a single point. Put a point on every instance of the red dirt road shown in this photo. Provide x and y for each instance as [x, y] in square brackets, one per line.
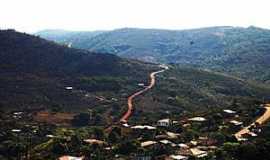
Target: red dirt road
[126, 116]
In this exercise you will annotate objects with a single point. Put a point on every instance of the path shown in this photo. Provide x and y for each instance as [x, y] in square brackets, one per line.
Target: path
[126, 116]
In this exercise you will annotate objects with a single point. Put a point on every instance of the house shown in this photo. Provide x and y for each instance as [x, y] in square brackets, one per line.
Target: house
[143, 127]
[141, 84]
[198, 153]
[165, 141]
[70, 158]
[125, 125]
[236, 123]
[69, 88]
[163, 66]
[197, 119]
[183, 145]
[228, 111]
[178, 157]
[50, 136]
[193, 143]
[95, 141]
[18, 113]
[148, 143]
[172, 135]
[164, 122]
[16, 130]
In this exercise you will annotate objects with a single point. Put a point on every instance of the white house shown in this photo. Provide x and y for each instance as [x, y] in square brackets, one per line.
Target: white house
[164, 122]
[178, 157]
[198, 153]
[197, 119]
[70, 158]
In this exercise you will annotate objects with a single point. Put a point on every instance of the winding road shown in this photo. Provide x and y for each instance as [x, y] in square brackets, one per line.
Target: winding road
[262, 119]
[126, 116]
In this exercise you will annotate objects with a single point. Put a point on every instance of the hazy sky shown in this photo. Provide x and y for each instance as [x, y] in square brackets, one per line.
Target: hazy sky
[34, 15]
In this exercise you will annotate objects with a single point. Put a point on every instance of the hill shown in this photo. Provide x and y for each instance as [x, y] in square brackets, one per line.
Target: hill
[69, 38]
[182, 90]
[243, 52]
[34, 73]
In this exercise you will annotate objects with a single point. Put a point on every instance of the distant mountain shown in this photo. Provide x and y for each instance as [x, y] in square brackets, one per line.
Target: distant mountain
[35, 72]
[244, 52]
[69, 38]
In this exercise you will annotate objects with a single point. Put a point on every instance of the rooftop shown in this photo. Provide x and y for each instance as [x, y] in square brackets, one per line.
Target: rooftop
[235, 122]
[229, 111]
[198, 153]
[148, 143]
[143, 127]
[197, 119]
[94, 141]
[70, 158]
[178, 157]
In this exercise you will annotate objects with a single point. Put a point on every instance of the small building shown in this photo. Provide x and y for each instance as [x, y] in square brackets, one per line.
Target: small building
[198, 153]
[172, 135]
[70, 158]
[125, 125]
[197, 119]
[236, 123]
[178, 157]
[164, 122]
[95, 141]
[18, 113]
[165, 141]
[143, 127]
[148, 143]
[183, 145]
[141, 84]
[50, 136]
[16, 130]
[228, 111]
[194, 143]
[69, 88]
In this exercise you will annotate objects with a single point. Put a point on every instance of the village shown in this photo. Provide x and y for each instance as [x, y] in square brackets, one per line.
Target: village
[170, 139]
[192, 136]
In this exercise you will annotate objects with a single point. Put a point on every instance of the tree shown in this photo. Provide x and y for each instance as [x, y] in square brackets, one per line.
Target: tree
[98, 133]
[81, 119]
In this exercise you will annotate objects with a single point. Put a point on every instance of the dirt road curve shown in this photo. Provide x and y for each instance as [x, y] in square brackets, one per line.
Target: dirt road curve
[260, 120]
[125, 117]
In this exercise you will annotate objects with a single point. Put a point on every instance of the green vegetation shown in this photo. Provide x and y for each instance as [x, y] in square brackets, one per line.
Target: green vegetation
[243, 52]
[59, 101]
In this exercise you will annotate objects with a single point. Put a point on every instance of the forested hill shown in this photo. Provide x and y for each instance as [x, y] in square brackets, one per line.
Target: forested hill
[244, 52]
[34, 73]
[25, 53]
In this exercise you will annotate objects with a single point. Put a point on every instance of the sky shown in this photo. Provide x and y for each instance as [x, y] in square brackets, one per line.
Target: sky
[86, 15]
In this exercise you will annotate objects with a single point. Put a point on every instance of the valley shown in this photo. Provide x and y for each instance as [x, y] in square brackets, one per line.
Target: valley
[58, 101]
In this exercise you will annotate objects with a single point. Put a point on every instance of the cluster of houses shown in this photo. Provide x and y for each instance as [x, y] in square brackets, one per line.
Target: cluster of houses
[199, 148]
[183, 151]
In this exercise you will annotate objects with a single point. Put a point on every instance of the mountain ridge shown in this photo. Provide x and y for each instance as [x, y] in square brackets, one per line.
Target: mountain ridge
[243, 52]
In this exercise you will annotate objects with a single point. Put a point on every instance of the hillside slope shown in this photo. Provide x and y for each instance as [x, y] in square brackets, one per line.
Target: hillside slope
[34, 73]
[243, 52]
[187, 90]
